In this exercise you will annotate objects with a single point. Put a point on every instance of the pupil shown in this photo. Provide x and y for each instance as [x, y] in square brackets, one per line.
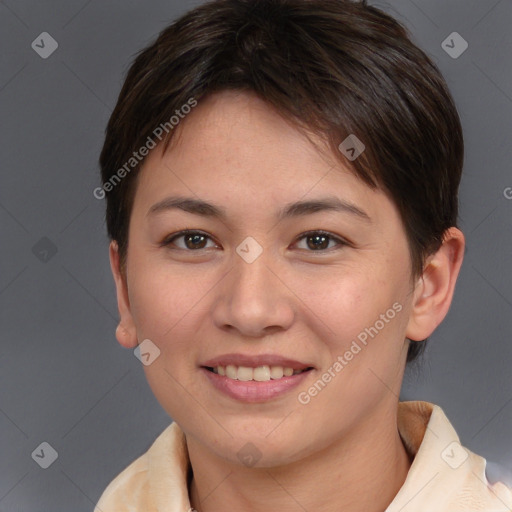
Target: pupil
[316, 238]
[194, 239]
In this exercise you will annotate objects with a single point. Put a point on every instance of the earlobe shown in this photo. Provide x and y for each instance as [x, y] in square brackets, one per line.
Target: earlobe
[126, 332]
[435, 287]
[124, 337]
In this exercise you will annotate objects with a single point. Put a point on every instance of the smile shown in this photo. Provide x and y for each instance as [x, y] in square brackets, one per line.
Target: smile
[260, 374]
[241, 382]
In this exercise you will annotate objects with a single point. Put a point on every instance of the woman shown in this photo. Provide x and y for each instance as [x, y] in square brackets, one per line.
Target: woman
[281, 180]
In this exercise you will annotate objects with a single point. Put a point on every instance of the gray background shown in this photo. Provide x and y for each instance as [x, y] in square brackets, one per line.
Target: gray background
[63, 377]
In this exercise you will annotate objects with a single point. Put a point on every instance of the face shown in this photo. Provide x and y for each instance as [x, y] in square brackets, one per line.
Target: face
[257, 282]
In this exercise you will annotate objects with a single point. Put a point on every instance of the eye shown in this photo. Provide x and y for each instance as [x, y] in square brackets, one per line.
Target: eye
[319, 240]
[316, 241]
[192, 240]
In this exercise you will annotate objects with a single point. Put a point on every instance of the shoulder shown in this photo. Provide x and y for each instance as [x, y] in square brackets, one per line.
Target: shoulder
[476, 483]
[130, 490]
[477, 490]
[499, 479]
[127, 488]
[449, 475]
[497, 473]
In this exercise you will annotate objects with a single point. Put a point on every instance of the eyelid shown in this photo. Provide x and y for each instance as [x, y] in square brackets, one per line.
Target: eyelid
[170, 238]
[341, 241]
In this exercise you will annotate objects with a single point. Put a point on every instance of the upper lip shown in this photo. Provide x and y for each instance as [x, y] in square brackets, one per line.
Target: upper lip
[253, 361]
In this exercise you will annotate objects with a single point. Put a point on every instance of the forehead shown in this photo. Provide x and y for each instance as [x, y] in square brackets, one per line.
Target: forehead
[232, 130]
[231, 124]
[236, 149]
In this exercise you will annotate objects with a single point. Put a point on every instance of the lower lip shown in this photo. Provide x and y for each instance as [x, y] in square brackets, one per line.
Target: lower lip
[253, 391]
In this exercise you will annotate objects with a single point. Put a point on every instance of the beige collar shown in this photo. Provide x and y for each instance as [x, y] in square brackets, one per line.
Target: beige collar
[444, 476]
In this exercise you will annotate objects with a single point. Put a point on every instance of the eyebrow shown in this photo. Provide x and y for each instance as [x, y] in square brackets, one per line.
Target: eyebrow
[296, 209]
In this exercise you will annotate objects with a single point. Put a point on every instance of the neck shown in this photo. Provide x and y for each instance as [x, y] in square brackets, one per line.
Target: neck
[361, 471]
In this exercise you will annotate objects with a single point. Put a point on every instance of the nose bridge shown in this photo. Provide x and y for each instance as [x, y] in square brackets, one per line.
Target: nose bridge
[253, 287]
[252, 275]
[253, 298]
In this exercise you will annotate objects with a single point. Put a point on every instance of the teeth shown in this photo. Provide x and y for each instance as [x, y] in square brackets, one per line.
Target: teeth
[245, 373]
[276, 372]
[260, 374]
[231, 371]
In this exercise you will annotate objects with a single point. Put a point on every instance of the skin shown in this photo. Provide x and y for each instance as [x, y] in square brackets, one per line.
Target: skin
[342, 450]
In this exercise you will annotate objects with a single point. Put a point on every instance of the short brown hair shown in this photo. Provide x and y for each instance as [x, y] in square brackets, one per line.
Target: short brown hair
[332, 67]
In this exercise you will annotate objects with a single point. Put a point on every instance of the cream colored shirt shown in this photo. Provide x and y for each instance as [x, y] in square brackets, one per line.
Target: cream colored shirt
[443, 477]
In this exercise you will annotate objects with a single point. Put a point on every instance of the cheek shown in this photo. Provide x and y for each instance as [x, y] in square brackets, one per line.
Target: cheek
[364, 342]
[165, 306]
[346, 302]
[164, 302]
[365, 313]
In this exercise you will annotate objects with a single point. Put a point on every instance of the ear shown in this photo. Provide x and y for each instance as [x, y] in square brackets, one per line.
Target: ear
[434, 289]
[126, 332]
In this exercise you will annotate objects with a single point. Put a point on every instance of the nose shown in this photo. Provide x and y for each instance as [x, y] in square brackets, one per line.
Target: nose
[253, 298]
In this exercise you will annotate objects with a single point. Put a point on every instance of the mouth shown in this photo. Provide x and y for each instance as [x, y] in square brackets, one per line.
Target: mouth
[255, 384]
[255, 378]
[263, 373]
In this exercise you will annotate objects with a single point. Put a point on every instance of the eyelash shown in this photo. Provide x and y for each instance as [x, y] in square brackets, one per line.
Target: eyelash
[341, 242]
